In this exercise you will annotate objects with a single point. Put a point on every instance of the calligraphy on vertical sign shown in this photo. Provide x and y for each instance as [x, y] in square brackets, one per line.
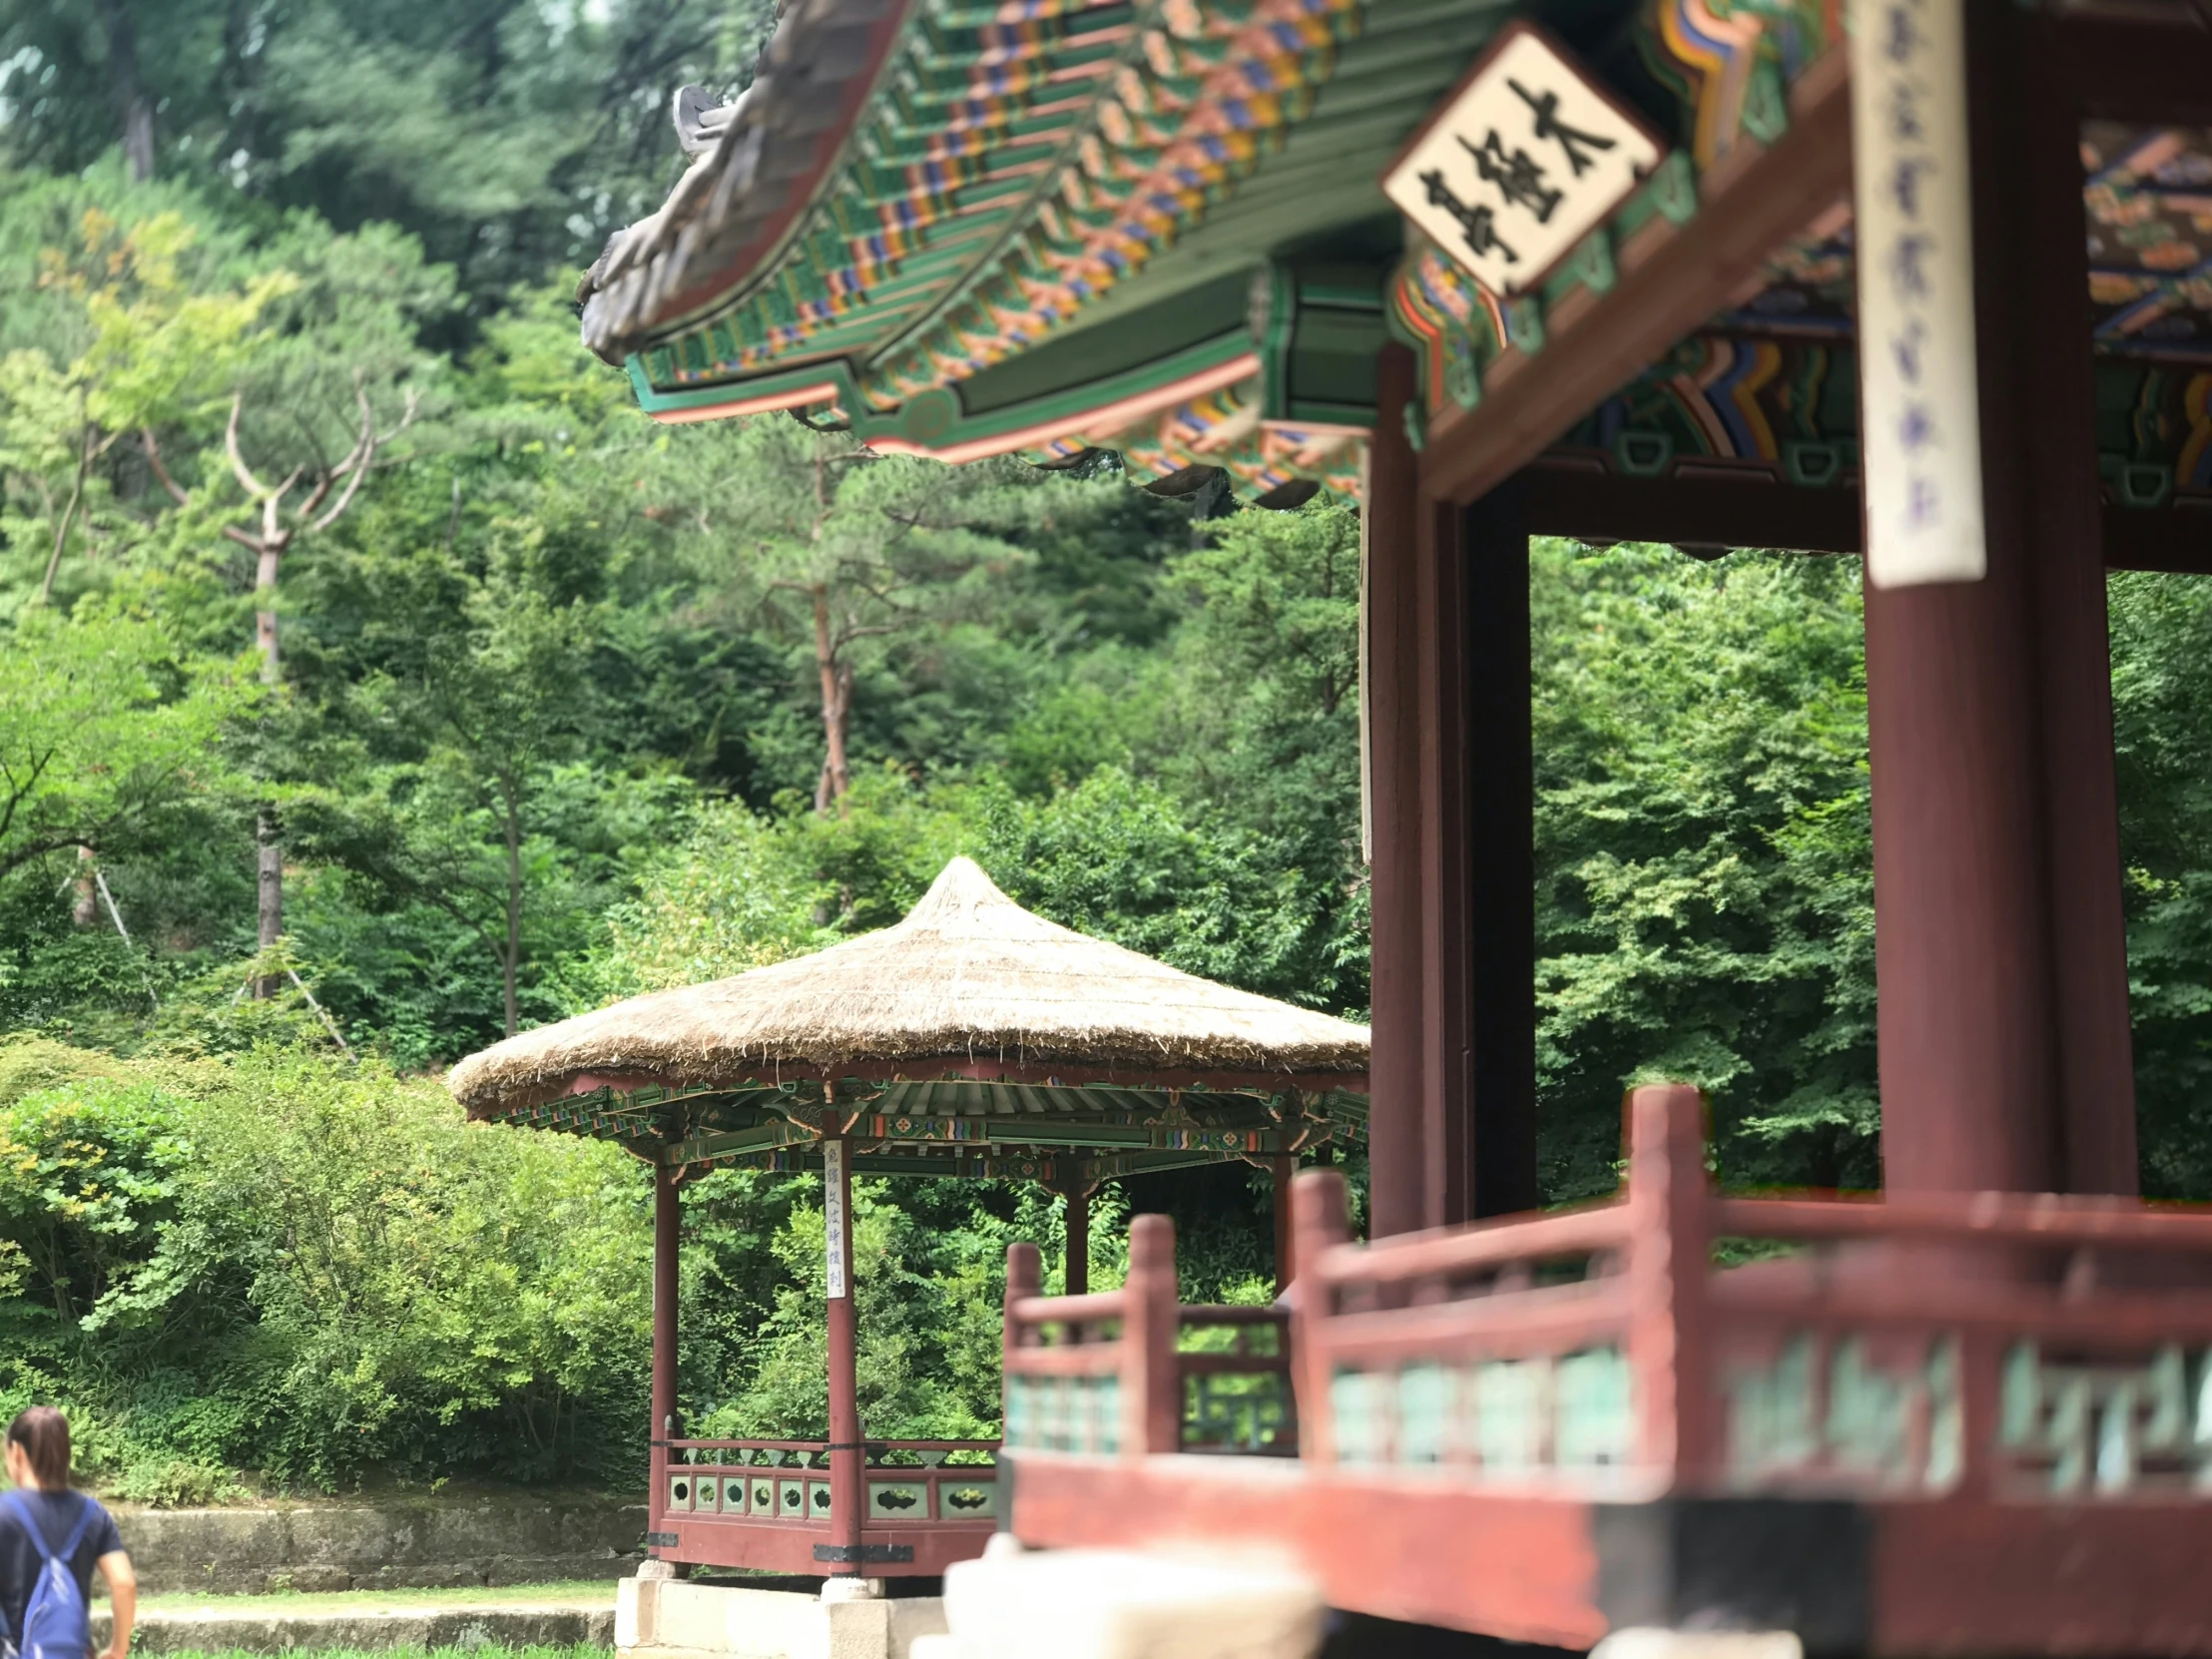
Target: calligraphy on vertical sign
[832, 1213]
[1519, 163]
[1920, 413]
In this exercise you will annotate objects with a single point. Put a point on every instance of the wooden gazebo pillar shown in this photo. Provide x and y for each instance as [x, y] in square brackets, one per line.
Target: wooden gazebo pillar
[847, 1457]
[668, 1215]
[1074, 1194]
[1075, 1200]
[1282, 1175]
[2000, 944]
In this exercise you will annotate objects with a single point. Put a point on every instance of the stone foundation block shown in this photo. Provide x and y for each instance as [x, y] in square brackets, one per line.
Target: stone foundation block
[670, 1619]
[1111, 1604]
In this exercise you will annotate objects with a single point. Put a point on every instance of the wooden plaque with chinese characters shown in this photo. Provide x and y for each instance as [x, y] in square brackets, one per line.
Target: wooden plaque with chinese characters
[1520, 163]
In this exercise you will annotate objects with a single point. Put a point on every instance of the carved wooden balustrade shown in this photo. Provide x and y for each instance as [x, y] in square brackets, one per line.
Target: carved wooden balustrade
[1133, 1371]
[766, 1504]
[1960, 1422]
[1993, 1343]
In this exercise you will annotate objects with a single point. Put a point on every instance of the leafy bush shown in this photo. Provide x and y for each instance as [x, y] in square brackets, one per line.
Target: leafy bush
[315, 1269]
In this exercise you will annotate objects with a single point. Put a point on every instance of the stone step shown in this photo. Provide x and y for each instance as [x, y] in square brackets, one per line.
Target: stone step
[270, 1625]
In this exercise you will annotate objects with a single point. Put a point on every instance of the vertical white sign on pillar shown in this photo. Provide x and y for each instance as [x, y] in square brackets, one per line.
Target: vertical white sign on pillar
[1920, 409]
[1366, 621]
[832, 1213]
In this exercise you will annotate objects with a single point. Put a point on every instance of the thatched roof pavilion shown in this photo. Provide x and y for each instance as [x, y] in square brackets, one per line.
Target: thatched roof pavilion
[969, 1031]
[972, 1038]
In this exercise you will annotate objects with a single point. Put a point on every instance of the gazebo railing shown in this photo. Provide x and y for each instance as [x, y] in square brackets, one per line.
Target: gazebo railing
[1932, 1423]
[907, 1482]
[1133, 1371]
[2006, 1346]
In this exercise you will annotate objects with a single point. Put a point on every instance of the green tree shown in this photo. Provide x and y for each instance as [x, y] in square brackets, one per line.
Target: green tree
[2162, 734]
[833, 545]
[1705, 874]
[496, 712]
[513, 137]
[106, 733]
[148, 349]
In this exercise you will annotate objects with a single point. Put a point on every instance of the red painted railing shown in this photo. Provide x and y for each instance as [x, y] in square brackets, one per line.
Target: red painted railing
[766, 1504]
[1134, 1371]
[789, 1480]
[1930, 1343]
[1991, 1414]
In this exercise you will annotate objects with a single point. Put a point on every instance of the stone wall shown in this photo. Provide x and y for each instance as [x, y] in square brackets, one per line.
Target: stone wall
[426, 1543]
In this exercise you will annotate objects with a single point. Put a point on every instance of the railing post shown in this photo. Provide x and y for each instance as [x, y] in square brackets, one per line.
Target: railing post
[1024, 1275]
[1151, 1374]
[1320, 1223]
[1669, 1247]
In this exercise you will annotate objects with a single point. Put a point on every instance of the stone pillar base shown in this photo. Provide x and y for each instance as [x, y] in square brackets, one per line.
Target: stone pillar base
[849, 1619]
[1112, 1604]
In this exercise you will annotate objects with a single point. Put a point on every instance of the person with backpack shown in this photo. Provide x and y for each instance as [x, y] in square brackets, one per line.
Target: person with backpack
[51, 1539]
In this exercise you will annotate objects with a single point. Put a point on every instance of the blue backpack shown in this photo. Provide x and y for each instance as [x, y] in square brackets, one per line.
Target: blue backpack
[55, 1624]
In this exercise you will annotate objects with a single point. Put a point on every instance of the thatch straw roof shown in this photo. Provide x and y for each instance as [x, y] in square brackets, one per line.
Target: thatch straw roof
[967, 976]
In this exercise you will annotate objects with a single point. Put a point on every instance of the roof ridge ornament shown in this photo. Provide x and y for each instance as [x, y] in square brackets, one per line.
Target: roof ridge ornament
[701, 118]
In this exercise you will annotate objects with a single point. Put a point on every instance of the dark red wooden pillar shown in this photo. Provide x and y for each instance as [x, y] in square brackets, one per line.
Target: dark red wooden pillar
[2049, 422]
[1280, 1173]
[1448, 1141]
[1393, 720]
[2000, 947]
[1499, 811]
[1075, 1204]
[668, 1215]
[1479, 956]
[848, 1495]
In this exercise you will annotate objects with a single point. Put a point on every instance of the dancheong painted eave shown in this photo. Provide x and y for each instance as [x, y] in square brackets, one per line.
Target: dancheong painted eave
[1158, 228]
[1052, 228]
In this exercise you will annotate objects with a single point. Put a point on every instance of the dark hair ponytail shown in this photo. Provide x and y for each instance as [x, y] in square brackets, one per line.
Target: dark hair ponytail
[43, 1433]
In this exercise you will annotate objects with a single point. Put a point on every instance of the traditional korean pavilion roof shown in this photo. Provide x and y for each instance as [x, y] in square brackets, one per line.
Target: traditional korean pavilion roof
[1048, 227]
[972, 1037]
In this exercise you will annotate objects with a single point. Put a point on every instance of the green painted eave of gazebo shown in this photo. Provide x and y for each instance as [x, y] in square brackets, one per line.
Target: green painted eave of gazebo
[955, 1126]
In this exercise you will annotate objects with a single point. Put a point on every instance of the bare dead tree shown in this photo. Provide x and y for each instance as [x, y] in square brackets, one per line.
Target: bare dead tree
[284, 521]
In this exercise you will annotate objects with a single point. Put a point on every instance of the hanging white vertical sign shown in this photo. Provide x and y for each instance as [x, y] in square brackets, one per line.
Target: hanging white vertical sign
[832, 1213]
[1920, 410]
[1367, 752]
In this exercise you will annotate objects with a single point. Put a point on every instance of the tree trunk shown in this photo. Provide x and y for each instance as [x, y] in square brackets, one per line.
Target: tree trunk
[132, 107]
[837, 700]
[270, 889]
[513, 953]
[83, 909]
[269, 846]
[69, 513]
[265, 608]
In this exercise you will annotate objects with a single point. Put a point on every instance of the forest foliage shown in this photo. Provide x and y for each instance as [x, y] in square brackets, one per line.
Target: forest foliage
[327, 554]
